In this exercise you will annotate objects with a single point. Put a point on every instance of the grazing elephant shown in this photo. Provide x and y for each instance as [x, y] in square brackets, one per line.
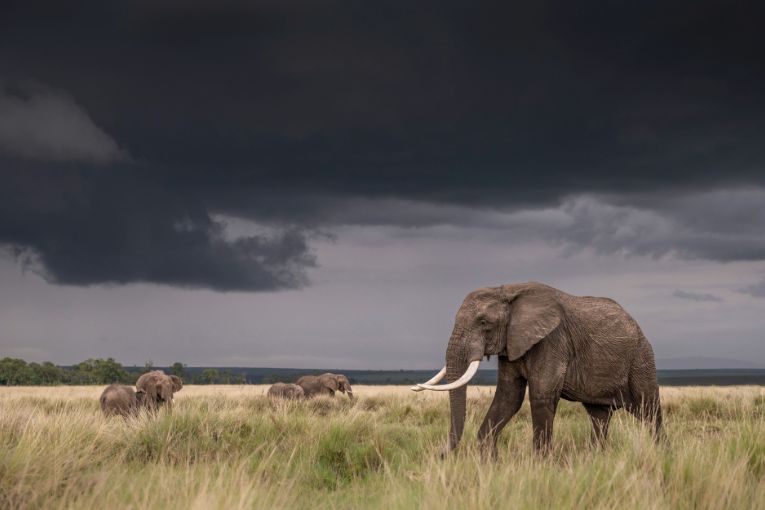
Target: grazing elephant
[583, 349]
[325, 384]
[119, 400]
[288, 391]
[158, 389]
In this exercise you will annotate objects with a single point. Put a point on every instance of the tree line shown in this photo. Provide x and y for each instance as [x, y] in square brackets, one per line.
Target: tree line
[17, 372]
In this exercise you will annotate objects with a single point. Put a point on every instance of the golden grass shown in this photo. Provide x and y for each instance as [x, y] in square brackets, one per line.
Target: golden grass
[229, 447]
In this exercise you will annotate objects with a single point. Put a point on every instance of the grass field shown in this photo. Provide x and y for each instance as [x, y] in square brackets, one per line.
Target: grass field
[229, 447]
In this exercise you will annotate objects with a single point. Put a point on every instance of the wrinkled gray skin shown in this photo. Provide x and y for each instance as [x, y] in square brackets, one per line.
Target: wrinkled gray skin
[158, 389]
[325, 384]
[583, 349]
[119, 400]
[287, 391]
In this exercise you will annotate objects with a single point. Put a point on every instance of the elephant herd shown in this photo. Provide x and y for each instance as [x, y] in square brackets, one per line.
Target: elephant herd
[153, 390]
[312, 385]
[551, 345]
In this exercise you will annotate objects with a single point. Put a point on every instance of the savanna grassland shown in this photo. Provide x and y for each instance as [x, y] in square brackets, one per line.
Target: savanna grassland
[229, 447]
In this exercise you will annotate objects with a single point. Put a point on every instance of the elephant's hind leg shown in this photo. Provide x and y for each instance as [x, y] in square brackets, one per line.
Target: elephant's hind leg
[644, 388]
[507, 401]
[600, 417]
[647, 409]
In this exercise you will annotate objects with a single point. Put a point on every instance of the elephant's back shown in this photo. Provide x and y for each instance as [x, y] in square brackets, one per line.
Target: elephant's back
[117, 398]
[605, 342]
[310, 384]
[278, 389]
[114, 391]
[604, 320]
[307, 380]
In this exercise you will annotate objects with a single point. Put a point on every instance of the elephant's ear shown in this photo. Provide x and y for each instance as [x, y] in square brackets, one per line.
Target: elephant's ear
[177, 384]
[532, 317]
[330, 382]
[165, 389]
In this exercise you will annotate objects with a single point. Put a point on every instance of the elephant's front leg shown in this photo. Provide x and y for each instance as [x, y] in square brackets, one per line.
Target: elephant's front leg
[511, 389]
[542, 417]
[544, 394]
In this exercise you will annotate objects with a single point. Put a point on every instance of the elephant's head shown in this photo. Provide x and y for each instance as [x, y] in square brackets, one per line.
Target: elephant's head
[508, 321]
[337, 382]
[158, 388]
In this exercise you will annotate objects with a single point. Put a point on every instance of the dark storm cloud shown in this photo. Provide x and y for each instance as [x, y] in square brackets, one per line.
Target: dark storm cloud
[44, 124]
[94, 227]
[696, 296]
[317, 113]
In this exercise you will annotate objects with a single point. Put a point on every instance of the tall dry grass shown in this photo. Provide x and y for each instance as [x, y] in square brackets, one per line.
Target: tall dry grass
[229, 447]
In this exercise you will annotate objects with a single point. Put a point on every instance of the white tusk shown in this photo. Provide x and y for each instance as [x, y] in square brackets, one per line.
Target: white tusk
[436, 379]
[469, 373]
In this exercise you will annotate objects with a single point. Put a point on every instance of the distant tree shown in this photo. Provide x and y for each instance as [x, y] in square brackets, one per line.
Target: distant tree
[100, 371]
[18, 372]
[209, 376]
[14, 372]
[51, 374]
[179, 369]
[148, 367]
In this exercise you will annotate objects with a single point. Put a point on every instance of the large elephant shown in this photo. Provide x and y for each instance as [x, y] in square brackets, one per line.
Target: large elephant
[287, 391]
[325, 384]
[583, 349]
[158, 389]
[119, 400]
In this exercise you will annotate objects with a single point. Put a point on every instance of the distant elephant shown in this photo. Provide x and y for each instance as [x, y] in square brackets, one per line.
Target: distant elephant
[119, 400]
[325, 384]
[287, 391]
[158, 389]
[583, 349]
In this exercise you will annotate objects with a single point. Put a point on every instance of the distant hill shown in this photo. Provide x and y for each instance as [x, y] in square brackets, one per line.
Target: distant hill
[703, 363]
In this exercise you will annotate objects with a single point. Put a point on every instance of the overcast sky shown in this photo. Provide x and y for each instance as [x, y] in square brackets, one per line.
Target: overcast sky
[319, 184]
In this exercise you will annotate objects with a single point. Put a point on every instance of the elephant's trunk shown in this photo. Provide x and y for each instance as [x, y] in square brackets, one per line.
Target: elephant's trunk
[462, 359]
[457, 402]
[464, 350]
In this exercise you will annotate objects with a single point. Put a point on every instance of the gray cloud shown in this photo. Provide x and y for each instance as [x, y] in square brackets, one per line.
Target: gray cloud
[44, 124]
[696, 296]
[721, 225]
[756, 290]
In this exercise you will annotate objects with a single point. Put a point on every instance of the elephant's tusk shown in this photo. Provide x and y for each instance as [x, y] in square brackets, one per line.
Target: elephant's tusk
[462, 381]
[436, 379]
